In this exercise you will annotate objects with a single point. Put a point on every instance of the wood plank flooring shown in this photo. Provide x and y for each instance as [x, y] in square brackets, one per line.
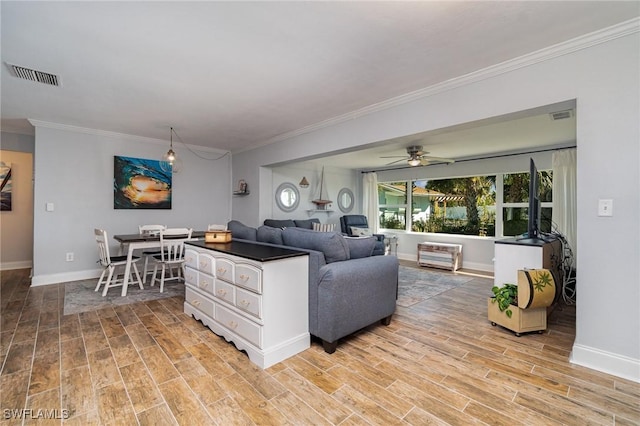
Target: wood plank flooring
[439, 362]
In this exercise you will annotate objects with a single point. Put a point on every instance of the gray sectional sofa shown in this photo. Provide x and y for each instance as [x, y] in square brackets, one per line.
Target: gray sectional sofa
[348, 288]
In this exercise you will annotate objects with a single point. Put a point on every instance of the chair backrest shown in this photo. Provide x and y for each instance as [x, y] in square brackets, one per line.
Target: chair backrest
[349, 220]
[103, 246]
[172, 243]
[151, 229]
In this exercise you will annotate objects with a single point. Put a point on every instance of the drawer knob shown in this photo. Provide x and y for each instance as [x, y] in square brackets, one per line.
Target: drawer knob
[221, 270]
[203, 264]
[233, 325]
[244, 302]
[204, 284]
[195, 303]
[222, 292]
[244, 277]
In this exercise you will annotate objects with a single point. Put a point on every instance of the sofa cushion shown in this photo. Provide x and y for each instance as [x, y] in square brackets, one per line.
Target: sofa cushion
[268, 234]
[360, 246]
[357, 231]
[280, 223]
[240, 230]
[332, 244]
[306, 223]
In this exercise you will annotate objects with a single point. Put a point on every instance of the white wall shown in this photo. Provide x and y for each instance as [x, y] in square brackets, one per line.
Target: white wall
[335, 179]
[74, 171]
[16, 226]
[605, 81]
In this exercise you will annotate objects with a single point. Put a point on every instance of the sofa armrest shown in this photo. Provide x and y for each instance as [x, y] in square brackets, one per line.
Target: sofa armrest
[353, 294]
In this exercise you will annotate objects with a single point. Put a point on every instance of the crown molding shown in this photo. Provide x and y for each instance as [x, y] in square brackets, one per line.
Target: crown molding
[579, 43]
[116, 135]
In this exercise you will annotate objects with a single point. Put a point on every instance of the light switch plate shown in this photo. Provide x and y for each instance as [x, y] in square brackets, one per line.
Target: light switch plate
[49, 207]
[605, 207]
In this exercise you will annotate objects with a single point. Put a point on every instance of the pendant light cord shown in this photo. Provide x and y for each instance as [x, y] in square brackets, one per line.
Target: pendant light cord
[173, 132]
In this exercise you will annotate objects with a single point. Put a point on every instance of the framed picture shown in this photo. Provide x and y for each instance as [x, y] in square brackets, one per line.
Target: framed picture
[140, 184]
[6, 188]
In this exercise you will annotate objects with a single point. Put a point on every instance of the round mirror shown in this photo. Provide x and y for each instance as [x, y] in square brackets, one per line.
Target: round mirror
[287, 197]
[345, 200]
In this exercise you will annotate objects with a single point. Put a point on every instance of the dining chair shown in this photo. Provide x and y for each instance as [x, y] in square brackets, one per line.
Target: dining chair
[111, 263]
[148, 254]
[171, 254]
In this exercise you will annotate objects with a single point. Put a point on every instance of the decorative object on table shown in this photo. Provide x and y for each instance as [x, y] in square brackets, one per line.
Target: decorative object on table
[111, 264]
[304, 183]
[140, 184]
[170, 161]
[217, 234]
[6, 188]
[243, 188]
[523, 307]
[323, 199]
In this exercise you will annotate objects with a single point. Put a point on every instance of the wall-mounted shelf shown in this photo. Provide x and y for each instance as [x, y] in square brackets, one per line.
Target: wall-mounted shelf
[241, 193]
[312, 211]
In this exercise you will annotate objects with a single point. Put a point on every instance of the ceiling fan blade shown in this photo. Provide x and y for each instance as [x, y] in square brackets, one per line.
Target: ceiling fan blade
[394, 162]
[431, 159]
[394, 156]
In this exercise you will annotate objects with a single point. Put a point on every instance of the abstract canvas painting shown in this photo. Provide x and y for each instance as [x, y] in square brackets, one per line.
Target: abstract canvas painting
[140, 184]
[5, 190]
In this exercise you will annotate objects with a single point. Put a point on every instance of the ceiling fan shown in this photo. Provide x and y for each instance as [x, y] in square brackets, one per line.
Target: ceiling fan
[418, 157]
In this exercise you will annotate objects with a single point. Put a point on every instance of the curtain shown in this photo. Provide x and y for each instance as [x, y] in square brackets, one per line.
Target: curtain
[565, 211]
[370, 199]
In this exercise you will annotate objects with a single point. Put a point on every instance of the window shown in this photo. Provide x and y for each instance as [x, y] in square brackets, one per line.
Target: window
[464, 206]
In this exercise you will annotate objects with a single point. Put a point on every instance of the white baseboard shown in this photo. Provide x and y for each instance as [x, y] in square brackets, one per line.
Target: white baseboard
[466, 265]
[23, 264]
[64, 277]
[607, 362]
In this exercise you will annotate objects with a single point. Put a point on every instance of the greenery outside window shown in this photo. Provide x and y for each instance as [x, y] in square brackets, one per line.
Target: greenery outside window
[464, 206]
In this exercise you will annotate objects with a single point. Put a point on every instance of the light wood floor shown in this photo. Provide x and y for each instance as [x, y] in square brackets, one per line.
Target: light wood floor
[441, 363]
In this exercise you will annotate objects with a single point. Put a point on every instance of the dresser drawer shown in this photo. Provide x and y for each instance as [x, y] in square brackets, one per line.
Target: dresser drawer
[199, 302]
[191, 258]
[224, 291]
[249, 277]
[206, 263]
[206, 282]
[239, 325]
[224, 269]
[249, 302]
[191, 276]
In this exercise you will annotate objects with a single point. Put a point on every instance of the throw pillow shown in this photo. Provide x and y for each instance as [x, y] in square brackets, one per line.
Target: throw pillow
[360, 246]
[324, 227]
[242, 231]
[332, 244]
[306, 223]
[360, 232]
[267, 234]
[283, 223]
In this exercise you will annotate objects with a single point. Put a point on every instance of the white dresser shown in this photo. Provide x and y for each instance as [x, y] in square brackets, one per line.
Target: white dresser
[255, 296]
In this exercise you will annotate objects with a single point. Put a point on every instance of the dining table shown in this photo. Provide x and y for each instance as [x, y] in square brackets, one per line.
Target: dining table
[132, 242]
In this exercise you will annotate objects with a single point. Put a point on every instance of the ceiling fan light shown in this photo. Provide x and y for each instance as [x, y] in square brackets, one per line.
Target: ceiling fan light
[414, 161]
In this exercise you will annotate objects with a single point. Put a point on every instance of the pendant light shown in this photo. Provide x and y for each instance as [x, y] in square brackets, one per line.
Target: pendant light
[170, 161]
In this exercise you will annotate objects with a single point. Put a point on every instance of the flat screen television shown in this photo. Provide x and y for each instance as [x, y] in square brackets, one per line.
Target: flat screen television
[533, 228]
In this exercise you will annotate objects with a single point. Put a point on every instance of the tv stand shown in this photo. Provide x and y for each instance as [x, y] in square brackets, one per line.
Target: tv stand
[513, 254]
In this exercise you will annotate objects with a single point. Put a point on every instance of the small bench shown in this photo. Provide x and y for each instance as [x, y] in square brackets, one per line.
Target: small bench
[440, 255]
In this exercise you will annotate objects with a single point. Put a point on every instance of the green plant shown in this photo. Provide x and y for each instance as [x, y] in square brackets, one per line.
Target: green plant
[506, 296]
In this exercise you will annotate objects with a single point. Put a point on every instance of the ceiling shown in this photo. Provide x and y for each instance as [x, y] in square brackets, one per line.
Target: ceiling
[236, 75]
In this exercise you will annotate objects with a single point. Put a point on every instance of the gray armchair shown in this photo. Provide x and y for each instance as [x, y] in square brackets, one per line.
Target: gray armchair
[360, 221]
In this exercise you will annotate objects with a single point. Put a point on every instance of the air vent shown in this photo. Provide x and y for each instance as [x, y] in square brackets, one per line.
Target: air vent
[35, 75]
[561, 115]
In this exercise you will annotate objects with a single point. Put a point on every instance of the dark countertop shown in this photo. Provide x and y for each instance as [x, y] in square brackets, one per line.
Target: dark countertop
[256, 252]
[524, 241]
